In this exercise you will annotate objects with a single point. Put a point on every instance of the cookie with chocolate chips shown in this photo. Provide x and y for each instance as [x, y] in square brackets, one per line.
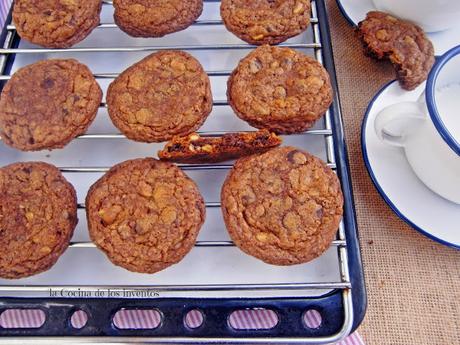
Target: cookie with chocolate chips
[197, 149]
[265, 21]
[402, 42]
[155, 18]
[283, 206]
[47, 104]
[144, 214]
[56, 23]
[280, 89]
[164, 95]
[38, 214]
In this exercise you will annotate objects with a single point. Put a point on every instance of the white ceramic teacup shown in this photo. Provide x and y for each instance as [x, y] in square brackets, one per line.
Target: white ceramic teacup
[431, 15]
[429, 129]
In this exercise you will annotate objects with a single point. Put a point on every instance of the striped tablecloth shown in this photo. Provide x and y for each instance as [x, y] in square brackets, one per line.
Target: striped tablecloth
[4, 7]
[255, 319]
[150, 319]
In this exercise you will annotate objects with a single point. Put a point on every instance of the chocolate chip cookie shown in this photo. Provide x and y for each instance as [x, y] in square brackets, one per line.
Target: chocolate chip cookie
[144, 214]
[402, 42]
[283, 206]
[47, 104]
[265, 21]
[164, 95]
[155, 18]
[56, 23]
[38, 214]
[279, 89]
[197, 149]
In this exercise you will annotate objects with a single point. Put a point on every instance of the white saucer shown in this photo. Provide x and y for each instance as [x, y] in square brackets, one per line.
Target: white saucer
[355, 11]
[393, 177]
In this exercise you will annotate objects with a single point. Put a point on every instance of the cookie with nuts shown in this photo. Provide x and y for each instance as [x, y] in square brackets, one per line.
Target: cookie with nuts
[155, 18]
[197, 149]
[38, 215]
[144, 214]
[283, 206]
[280, 89]
[47, 104]
[402, 42]
[265, 21]
[56, 23]
[164, 95]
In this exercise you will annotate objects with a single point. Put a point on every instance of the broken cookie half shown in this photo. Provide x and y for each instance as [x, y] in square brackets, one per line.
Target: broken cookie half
[197, 149]
[402, 42]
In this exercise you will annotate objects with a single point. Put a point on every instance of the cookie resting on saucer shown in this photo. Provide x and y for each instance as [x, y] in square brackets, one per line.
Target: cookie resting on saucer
[402, 42]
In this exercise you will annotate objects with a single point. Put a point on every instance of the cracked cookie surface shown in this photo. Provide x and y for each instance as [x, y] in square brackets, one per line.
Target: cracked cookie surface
[283, 206]
[164, 95]
[402, 42]
[47, 104]
[56, 23]
[145, 214]
[155, 18]
[265, 21]
[279, 89]
[38, 214]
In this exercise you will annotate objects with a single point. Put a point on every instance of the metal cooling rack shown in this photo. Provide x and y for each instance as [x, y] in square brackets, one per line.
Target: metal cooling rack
[343, 299]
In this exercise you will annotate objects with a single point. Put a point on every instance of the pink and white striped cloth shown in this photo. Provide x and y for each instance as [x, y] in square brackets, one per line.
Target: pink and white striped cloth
[138, 319]
[151, 319]
[4, 8]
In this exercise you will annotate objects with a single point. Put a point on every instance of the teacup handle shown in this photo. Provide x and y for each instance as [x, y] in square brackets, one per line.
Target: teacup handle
[394, 123]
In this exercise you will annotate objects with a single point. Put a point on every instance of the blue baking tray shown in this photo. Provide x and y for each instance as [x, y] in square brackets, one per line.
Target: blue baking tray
[342, 309]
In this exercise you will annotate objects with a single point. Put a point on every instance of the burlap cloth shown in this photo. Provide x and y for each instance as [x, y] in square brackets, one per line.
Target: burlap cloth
[413, 283]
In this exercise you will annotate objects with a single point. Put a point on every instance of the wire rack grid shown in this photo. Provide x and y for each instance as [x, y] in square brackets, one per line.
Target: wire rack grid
[324, 135]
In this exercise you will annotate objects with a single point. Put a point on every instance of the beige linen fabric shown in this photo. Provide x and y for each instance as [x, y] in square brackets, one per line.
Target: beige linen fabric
[413, 283]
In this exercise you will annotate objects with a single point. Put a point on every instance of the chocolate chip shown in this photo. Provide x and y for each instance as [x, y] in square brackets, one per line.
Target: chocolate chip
[296, 157]
[48, 83]
[319, 213]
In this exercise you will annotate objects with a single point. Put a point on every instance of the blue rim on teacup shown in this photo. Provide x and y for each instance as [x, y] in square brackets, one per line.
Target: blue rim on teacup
[430, 99]
[372, 174]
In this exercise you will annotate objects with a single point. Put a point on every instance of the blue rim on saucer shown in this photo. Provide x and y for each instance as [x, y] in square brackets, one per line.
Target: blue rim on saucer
[344, 13]
[376, 183]
[430, 91]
